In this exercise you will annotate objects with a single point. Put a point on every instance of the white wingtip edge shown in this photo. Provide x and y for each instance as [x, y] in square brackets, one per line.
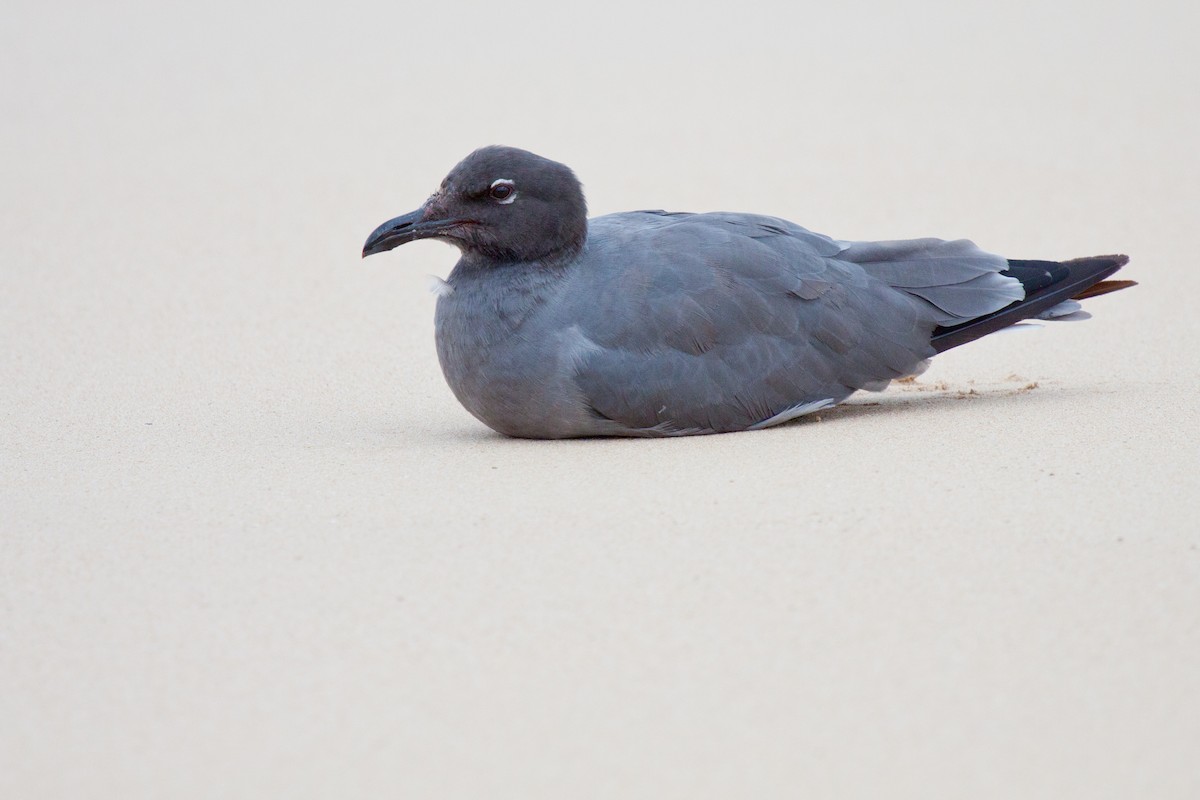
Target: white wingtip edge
[1066, 310]
[789, 414]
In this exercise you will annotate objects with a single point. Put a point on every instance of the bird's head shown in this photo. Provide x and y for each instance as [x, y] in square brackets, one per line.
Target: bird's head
[500, 203]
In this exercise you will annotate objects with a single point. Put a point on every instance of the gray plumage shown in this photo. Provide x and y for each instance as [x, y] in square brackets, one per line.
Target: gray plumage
[652, 323]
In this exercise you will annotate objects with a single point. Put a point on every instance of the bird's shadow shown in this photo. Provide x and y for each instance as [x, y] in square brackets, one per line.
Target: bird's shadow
[902, 399]
[915, 398]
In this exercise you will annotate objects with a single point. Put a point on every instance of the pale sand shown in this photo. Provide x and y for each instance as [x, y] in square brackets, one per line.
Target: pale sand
[253, 548]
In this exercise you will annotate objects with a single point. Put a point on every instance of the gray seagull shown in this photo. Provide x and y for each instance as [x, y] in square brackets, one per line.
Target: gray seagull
[656, 323]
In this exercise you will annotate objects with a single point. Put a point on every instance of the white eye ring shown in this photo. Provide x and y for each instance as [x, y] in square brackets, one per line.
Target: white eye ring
[512, 193]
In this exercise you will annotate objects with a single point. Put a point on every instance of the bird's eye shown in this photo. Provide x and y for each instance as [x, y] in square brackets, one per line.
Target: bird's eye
[503, 191]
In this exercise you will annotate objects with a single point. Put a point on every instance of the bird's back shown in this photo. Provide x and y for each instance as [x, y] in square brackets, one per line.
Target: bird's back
[719, 322]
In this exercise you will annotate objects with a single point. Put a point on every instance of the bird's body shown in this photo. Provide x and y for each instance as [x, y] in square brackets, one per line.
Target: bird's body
[654, 324]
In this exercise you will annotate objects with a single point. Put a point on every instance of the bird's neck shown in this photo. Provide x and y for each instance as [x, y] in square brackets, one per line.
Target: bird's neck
[563, 249]
[486, 303]
[518, 281]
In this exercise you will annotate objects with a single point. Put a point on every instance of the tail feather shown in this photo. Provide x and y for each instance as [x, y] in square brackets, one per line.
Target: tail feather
[1047, 283]
[1103, 287]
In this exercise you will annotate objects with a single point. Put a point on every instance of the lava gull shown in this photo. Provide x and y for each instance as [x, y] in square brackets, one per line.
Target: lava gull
[656, 323]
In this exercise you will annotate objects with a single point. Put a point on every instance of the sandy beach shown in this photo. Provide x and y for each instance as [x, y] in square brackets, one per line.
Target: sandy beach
[251, 546]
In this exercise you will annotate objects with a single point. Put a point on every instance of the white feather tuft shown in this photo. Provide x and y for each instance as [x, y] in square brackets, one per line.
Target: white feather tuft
[438, 286]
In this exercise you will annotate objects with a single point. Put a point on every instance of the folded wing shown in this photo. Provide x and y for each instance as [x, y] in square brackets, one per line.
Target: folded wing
[729, 321]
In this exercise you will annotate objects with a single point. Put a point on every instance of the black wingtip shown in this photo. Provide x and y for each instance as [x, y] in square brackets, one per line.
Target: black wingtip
[1068, 280]
[1117, 260]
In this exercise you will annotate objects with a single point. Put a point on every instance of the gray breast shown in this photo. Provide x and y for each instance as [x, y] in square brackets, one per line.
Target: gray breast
[505, 354]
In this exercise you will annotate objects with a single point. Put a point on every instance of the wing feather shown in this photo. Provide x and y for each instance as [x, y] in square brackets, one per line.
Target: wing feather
[728, 321]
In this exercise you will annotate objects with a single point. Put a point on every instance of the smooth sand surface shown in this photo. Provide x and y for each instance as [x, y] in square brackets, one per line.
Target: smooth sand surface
[252, 547]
